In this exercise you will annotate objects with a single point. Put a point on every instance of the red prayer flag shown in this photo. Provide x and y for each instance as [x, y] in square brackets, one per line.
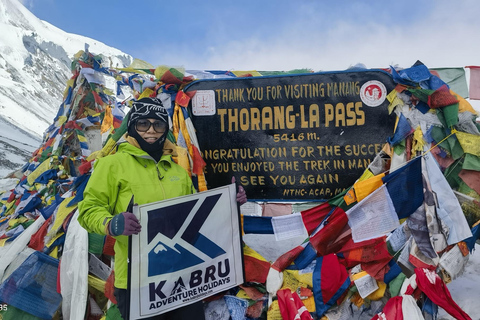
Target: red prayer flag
[291, 307]
[474, 91]
[255, 270]
[435, 289]
[287, 258]
[471, 178]
[182, 99]
[441, 98]
[336, 225]
[313, 216]
[392, 310]
[198, 162]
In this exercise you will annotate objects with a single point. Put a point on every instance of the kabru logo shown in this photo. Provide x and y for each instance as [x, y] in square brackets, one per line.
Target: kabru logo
[168, 221]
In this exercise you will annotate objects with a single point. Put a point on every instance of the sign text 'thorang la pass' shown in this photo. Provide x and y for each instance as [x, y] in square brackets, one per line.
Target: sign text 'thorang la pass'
[293, 137]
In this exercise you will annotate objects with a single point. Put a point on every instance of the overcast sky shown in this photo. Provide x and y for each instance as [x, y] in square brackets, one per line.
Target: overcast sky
[322, 35]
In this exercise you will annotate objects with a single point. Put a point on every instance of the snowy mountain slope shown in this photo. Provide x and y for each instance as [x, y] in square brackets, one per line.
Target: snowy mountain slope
[35, 59]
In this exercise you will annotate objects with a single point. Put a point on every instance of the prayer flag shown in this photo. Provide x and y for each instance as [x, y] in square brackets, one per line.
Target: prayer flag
[432, 285]
[402, 131]
[256, 267]
[332, 234]
[365, 187]
[455, 79]
[470, 143]
[471, 178]
[373, 217]
[441, 98]
[291, 307]
[313, 216]
[474, 82]
[405, 188]
[392, 310]
[448, 208]
[330, 280]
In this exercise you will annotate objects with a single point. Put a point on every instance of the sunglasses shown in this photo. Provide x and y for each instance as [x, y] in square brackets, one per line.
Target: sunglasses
[143, 125]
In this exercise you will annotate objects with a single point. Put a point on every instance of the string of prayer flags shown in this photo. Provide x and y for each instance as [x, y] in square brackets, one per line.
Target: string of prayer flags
[337, 237]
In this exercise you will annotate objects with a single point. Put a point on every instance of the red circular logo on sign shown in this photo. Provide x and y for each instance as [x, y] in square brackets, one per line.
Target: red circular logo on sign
[373, 93]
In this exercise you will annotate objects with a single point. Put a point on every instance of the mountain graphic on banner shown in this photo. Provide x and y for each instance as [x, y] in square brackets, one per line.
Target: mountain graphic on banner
[163, 259]
[168, 221]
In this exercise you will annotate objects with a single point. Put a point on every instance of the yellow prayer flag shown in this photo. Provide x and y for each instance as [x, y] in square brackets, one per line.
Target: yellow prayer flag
[61, 120]
[202, 183]
[54, 253]
[107, 122]
[349, 197]
[96, 283]
[470, 143]
[146, 93]
[182, 159]
[252, 253]
[418, 141]
[367, 174]
[365, 187]
[309, 304]
[52, 240]
[254, 73]
[78, 54]
[160, 71]
[13, 222]
[273, 312]
[136, 66]
[394, 101]
[44, 166]
[70, 84]
[82, 138]
[296, 278]
[463, 105]
[379, 293]
[242, 294]
[62, 213]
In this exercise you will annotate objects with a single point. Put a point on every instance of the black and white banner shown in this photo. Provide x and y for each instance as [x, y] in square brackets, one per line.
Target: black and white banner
[189, 249]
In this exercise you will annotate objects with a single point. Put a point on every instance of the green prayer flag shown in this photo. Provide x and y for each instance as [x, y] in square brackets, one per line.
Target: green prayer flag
[422, 94]
[471, 162]
[451, 114]
[455, 78]
[395, 285]
[451, 174]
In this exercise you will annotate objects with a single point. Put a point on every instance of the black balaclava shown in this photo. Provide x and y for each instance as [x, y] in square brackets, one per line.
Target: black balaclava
[148, 108]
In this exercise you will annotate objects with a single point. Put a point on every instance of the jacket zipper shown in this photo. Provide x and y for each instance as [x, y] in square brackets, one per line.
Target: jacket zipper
[160, 180]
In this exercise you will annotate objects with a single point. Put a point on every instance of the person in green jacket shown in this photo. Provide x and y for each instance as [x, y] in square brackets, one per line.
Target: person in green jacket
[142, 167]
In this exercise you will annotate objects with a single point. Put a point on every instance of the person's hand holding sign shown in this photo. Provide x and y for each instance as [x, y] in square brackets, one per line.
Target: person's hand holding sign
[125, 224]
[241, 194]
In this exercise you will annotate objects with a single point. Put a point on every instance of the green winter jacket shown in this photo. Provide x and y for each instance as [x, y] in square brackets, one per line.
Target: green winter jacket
[115, 178]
